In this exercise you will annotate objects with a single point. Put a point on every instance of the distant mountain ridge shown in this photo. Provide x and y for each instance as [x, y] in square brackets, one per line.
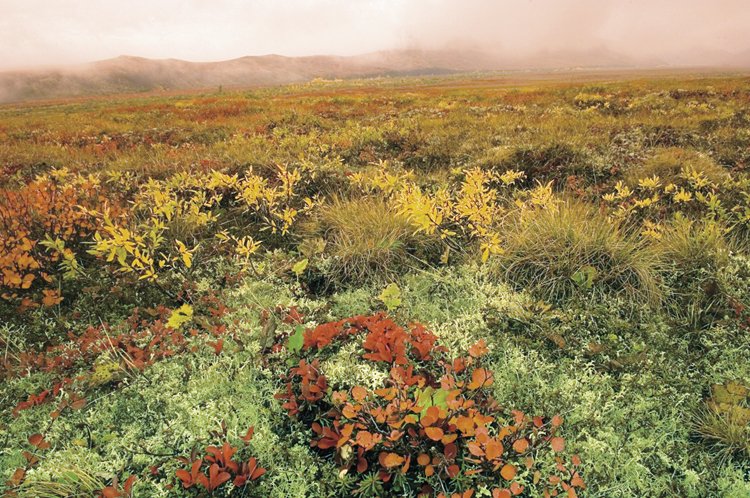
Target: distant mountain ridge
[128, 74]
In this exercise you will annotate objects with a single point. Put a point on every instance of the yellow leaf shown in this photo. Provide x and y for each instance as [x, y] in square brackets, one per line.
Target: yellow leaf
[180, 316]
[300, 267]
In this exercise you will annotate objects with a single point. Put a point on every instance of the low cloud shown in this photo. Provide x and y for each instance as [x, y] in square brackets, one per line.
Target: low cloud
[38, 32]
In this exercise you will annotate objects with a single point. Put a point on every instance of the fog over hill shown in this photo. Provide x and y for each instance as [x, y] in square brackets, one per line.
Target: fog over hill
[128, 74]
[46, 47]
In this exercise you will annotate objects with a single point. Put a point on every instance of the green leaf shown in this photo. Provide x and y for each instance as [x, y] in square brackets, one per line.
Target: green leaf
[585, 277]
[430, 396]
[391, 296]
[296, 340]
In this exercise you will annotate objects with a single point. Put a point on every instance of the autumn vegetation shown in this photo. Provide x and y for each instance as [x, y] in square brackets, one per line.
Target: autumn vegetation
[450, 287]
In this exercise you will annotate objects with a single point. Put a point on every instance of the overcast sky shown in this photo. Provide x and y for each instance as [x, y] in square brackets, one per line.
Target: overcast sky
[45, 32]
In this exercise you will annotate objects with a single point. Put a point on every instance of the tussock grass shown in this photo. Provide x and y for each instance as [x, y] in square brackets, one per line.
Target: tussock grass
[668, 163]
[69, 481]
[549, 161]
[690, 246]
[694, 254]
[725, 431]
[367, 240]
[570, 248]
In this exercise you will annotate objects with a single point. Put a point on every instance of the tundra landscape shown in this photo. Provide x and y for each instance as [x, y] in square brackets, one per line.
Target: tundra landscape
[419, 273]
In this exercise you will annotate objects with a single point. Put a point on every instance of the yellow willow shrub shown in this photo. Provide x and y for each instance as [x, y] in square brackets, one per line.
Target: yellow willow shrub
[274, 200]
[149, 239]
[691, 193]
[142, 251]
[168, 214]
[470, 211]
[382, 178]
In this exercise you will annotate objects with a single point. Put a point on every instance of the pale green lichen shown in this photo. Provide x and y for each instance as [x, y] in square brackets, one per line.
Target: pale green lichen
[347, 368]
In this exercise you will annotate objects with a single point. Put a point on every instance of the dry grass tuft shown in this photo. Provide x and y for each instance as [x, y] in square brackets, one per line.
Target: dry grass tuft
[367, 240]
[570, 248]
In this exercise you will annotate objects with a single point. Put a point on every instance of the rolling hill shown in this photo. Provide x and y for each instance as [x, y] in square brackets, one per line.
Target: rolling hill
[128, 74]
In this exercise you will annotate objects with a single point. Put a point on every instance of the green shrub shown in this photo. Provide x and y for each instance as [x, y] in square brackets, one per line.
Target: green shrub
[570, 248]
[367, 240]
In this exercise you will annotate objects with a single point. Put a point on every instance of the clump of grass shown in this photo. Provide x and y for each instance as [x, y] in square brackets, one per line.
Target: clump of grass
[724, 420]
[69, 481]
[694, 253]
[571, 249]
[553, 161]
[691, 245]
[724, 432]
[367, 240]
[669, 163]
[586, 100]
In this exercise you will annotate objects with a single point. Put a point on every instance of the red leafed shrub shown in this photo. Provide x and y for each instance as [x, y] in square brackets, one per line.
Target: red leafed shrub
[219, 466]
[115, 491]
[433, 428]
[136, 344]
[45, 209]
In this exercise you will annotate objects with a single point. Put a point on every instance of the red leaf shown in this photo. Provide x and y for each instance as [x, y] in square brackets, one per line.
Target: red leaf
[450, 451]
[516, 488]
[577, 481]
[216, 477]
[293, 316]
[453, 470]
[434, 433]
[359, 393]
[30, 457]
[475, 449]
[78, 404]
[249, 435]
[17, 477]
[392, 460]
[255, 470]
[493, 449]
[128, 486]
[38, 441]
[557, 444]
[480, 378]
[110, 492]
[478, 349]
[218, 346]
[184, 476]
[521, 445]
[508, 472]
